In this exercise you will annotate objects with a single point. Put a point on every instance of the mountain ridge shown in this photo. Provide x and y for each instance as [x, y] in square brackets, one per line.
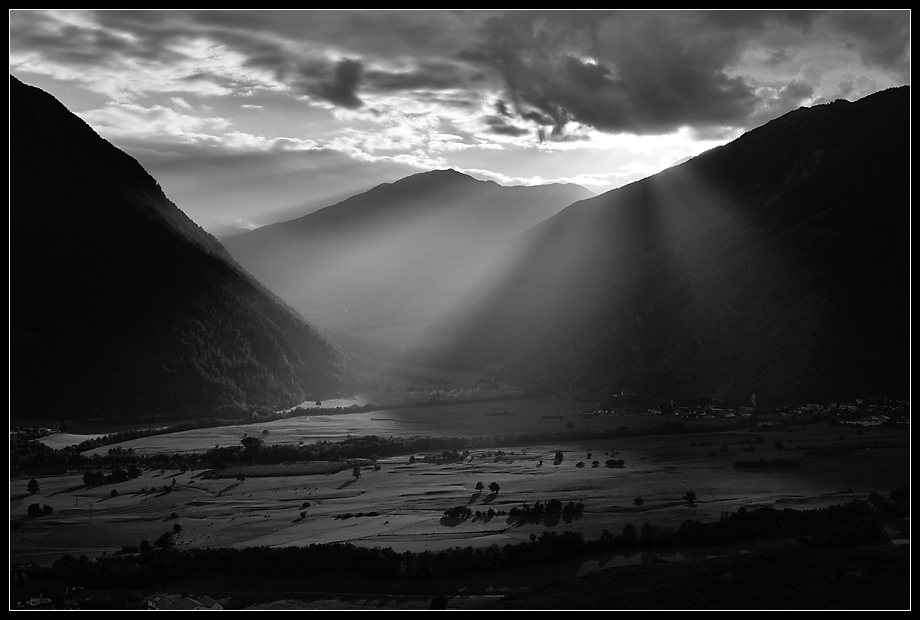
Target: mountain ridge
[121, 306]
[398, 251]
[745, 269]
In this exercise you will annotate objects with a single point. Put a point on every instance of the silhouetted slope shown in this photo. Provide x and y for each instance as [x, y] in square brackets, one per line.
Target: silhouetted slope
[777, 264]
[119, 304]
[400, 252]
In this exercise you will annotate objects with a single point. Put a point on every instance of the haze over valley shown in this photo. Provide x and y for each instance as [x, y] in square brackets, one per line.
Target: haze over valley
[460, 309]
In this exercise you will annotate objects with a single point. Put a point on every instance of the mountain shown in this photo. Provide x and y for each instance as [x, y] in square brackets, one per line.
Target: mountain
[120, 305]
[219, 230]
[399, 254]
[775, 265]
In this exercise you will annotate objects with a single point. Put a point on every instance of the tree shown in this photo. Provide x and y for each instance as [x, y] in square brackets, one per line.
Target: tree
[165, 541]
[638, 501]
[35, 510]
[252, 444]
[479, 486]
[356, 472]
[690, 496]
[93, 477]
[493, 486]
[33, 487]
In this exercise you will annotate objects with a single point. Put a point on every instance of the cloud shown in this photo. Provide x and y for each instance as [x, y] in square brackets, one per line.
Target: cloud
[653, 72]
[341, 88]
[550, 78]
[500, 126]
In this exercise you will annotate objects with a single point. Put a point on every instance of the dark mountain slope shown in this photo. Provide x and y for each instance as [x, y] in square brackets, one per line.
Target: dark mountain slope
[399, 253]
[119, 304]
[777, 264]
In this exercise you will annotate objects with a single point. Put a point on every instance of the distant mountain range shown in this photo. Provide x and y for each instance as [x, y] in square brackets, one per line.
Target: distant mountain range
[400, 254]
[776, 265]
[122, 306]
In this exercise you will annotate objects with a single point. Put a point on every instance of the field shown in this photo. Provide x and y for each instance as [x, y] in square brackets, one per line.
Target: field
[397, 503]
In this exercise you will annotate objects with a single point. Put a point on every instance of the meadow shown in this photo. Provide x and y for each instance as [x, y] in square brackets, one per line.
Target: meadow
[400, 501]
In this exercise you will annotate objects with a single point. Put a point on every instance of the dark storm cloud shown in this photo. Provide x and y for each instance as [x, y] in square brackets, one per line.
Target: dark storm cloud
[341, 89]
[618, 72]
[640, 72]
[500, 126]
[653, 72]
[425, 75]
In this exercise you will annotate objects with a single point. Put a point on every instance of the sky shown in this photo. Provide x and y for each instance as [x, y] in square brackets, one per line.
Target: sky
[251, 117]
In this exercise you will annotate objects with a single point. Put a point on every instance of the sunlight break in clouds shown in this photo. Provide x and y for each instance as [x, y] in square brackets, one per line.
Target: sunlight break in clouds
[508, 93]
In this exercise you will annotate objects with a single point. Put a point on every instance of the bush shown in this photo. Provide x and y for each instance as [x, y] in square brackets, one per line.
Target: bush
[638, 501]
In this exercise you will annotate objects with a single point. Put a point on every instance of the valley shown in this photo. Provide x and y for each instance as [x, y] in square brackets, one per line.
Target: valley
[466, 394]
[398, 501]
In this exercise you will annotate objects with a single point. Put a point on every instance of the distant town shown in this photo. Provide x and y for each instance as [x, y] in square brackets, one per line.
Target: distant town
[859, 412]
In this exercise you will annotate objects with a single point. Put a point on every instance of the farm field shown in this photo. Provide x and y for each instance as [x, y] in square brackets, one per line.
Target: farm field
[400, 504]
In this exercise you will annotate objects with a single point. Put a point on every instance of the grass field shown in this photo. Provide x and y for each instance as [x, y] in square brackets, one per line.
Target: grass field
[401, 504]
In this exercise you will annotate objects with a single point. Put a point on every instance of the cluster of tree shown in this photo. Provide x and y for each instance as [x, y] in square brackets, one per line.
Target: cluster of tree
[39, 511]
[459, 512]
[370, 447]
[349, 515]
[853, 523]
[538, 510]
[94, 476]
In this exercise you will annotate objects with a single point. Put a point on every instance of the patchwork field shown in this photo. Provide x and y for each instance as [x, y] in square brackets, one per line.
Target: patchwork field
[398, 503]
